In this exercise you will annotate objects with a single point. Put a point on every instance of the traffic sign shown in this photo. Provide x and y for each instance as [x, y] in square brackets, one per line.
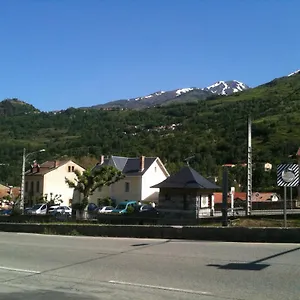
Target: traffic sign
[288, 175]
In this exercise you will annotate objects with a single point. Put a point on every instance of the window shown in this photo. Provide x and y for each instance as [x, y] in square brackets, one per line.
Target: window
[69, 168]
[37, 186]
[31, 186]
[127, 187]
[26, 186]
[73, 168]
[155, 169]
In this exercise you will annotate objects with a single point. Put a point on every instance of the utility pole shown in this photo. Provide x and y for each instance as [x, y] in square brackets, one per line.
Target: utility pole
[249, 168]
[23, 181]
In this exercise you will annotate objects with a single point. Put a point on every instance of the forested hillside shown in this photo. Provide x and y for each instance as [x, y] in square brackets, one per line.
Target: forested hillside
[213, 130]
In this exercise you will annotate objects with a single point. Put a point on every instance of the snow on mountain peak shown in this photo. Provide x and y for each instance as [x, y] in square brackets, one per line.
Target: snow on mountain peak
[183, 91]
[240, 86]
[227, 87]
[218, 88]
[150, 96]
[294, 73]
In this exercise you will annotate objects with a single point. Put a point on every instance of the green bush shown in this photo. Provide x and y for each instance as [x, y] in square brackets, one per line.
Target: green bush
[105, 201]
[130, 210]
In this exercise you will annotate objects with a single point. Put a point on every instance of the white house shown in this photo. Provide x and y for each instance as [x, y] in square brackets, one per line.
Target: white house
[48, 180]
[140, 174]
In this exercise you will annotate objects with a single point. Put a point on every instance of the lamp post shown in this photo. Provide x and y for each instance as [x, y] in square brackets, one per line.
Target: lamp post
[25, 156]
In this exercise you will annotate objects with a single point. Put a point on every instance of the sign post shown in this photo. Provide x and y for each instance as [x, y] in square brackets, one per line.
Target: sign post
[287, 176]
[284, 207]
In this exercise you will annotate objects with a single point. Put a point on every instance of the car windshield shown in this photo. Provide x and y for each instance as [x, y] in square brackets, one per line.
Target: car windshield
[37, 206]
[121, 206]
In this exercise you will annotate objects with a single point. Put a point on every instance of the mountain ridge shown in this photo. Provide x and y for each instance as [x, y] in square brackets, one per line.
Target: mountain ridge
[224, 88]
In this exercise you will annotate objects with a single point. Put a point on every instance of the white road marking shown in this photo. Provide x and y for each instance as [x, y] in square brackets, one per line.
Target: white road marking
[160, 287]
[20, 270]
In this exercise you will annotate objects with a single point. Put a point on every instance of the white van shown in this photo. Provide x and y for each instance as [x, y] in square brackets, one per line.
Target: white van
[38, 209]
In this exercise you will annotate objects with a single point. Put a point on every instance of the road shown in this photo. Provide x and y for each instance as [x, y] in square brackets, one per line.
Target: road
[48, 267]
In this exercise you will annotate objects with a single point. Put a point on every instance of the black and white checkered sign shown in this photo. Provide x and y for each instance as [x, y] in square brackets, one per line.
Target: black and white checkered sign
[288, 175]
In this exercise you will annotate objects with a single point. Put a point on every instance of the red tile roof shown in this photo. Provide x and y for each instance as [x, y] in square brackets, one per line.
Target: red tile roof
[237, 195]
[261, 197]
[256, 197]
[45, 167]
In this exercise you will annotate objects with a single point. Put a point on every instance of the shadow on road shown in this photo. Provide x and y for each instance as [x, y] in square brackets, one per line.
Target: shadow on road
[44, 295]
[253, 265]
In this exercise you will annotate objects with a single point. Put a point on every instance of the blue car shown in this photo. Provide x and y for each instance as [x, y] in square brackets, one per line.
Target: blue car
[123, 206]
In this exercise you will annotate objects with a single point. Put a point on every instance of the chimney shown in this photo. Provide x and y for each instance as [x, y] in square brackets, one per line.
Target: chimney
[101, 159]
[142, 163]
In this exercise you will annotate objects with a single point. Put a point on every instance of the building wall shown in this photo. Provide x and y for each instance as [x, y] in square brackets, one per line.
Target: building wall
[117, 191]
[174, 199]
[152, 176]
[53, 182]
[186, 201]
[33, 190]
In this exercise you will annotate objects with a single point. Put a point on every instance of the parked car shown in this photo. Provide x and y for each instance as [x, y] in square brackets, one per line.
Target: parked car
[38, 209]
[92, 207]
[52, 208]
[105, 209]
[27, 210]
[122, 208]
[62, 210]
[5, 212]
[148, 210]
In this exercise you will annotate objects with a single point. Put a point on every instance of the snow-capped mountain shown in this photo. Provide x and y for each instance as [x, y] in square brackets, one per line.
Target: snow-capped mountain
[227, 87]
[164, 97]
[294, 73]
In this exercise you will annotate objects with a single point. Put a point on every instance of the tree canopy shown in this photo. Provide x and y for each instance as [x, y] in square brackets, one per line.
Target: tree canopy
[88, 181]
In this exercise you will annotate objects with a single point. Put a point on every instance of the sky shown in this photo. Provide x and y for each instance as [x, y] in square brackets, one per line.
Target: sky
[57, 54]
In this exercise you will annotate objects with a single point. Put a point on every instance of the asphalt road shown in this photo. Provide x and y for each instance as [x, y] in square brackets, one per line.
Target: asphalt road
[45, 267]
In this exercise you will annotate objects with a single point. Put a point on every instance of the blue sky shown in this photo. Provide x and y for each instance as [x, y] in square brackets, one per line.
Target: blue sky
[56, 54]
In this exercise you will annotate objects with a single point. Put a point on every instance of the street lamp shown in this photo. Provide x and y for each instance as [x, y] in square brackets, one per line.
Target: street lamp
[25, 156]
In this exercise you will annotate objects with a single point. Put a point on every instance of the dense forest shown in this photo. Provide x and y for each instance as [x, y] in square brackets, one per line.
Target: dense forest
[212, 130]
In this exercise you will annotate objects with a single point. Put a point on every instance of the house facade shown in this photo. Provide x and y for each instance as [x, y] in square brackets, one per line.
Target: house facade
[48, 181]
[140, 174]
[186, 194]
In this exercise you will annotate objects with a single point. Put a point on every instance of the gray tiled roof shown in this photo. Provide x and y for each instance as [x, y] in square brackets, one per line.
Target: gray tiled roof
[128, 166]
[187, 178]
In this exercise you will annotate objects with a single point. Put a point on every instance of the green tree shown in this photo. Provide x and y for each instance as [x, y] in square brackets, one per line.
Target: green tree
[90, 180]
